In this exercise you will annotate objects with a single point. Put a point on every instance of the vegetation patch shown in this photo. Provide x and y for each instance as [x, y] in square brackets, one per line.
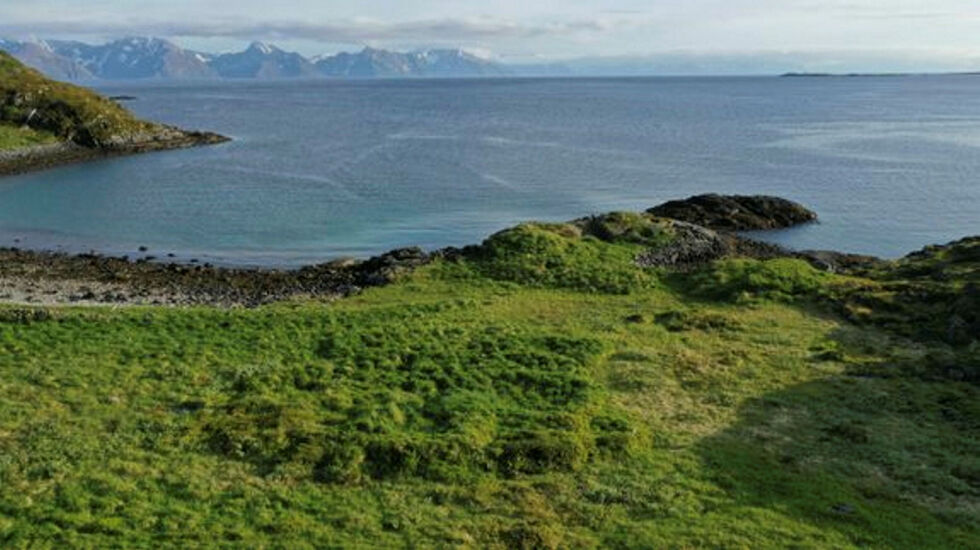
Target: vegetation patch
[678, 321]
[931, 295]
[410, 396]
[744, 279]
[628, 227]
[560, 256]
[16, 137]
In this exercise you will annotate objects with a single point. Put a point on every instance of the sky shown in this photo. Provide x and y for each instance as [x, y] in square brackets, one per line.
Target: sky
[938, 32]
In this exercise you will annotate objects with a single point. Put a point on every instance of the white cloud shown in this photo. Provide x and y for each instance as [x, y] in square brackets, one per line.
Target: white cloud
[356, 30]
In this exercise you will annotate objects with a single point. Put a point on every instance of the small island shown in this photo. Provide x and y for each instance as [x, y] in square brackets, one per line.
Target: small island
[44, 123]
[869, 75]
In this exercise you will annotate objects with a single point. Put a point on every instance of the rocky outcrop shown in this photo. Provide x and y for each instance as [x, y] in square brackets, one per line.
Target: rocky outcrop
[692, 245]
[736, 212]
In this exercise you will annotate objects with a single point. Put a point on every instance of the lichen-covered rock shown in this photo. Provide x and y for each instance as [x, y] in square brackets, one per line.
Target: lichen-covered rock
[691, 245]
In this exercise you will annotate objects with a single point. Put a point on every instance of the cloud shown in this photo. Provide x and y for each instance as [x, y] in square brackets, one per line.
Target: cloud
[353, 31]
[886, 11]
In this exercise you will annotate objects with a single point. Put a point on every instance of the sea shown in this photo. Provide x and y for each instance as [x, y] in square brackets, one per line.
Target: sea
[319, 170]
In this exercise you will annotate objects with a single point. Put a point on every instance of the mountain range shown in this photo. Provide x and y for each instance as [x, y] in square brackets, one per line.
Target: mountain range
[157, 58]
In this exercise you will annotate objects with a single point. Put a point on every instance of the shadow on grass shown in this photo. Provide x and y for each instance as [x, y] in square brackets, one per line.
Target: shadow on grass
[873, 461]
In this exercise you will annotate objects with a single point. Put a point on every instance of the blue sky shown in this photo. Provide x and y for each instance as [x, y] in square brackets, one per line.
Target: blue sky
[522, 29]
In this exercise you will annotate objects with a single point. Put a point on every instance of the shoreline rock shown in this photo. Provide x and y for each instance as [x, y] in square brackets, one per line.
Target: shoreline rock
[43, 157]
[47, 278]
[736, 212]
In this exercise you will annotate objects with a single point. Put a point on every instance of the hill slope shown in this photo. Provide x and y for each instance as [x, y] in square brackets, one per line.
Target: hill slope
[85, 123]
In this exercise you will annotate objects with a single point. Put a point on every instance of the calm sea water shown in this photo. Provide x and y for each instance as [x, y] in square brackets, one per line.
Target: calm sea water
[326, 169]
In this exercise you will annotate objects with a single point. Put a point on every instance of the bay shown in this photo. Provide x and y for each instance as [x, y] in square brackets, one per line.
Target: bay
[323, 169]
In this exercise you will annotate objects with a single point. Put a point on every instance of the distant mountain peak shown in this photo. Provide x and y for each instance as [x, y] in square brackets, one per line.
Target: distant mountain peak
[263, 48]
[373, 62]
[261, 60]
[145, 42]
[40, 43]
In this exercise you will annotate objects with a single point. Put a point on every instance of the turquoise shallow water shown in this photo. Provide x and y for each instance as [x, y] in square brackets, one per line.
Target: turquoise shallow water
[326, 169]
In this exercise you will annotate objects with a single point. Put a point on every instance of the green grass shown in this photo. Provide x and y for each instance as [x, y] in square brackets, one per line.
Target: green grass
[14, 137]
[489, 403]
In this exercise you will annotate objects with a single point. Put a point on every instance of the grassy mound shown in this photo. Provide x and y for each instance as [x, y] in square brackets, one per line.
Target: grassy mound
[596, 254]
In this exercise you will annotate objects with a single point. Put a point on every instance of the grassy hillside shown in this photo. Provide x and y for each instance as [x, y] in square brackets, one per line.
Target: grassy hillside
[71, 113]
[540, 392]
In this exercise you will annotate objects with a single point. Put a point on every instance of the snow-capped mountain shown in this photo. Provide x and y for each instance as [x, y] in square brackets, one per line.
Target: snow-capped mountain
[458, 63]
[262, 60]
[373, 63]
[155, 58]
[135, 57]
[40, 55]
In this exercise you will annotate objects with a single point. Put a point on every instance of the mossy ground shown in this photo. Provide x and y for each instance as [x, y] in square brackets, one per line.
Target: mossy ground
[16, 137]
[489, 403]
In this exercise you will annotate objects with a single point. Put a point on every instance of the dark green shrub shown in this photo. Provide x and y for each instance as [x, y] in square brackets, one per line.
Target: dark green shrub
[24, 316]
[542, 451]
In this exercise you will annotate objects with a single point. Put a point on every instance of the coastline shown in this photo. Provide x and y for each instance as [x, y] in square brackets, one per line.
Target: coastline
[699, 231]
[42, 157]
[52, 278]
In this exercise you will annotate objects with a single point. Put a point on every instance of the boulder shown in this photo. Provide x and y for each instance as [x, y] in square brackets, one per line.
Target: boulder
[736, 212]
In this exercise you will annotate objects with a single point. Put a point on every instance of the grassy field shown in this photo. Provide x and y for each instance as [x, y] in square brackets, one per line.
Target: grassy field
[15, 137]
[545, 394]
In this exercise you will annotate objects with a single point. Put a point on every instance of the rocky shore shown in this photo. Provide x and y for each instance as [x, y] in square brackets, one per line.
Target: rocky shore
[42, 157]
[29, 277]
